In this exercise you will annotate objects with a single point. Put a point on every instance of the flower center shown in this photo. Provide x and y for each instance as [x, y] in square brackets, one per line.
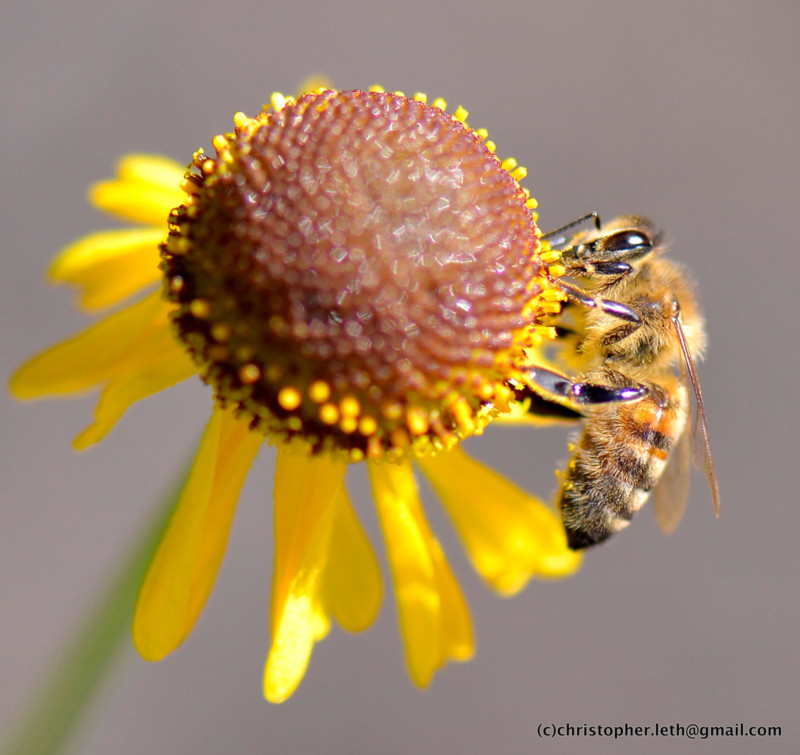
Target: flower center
[357, 271]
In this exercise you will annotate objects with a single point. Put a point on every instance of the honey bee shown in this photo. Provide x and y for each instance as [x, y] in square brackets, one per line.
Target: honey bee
[635, 334]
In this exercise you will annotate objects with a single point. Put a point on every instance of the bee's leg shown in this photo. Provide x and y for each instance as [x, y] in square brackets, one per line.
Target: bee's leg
[583, 394]
[545, 409]
[604, 305]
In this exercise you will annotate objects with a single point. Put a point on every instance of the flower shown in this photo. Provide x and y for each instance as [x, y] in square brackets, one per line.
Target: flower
[358, 278]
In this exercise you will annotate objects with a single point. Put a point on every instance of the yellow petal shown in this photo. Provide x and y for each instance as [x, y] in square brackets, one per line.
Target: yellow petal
[434, 618]
[458, 642]
[110, 265]
[126, 389]
[352, 588]
[509, 535]
[307, 491]
[186, 563]
[151, 170]
[133, 336]
[146, 190]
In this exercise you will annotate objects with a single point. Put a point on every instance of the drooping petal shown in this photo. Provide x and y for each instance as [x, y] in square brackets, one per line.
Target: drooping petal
[147, 187]
[434, 618]
[127, 388]
[510, 536]
[352, 588]
[307, 491]
[110, 266]
[149, 169]
[186, 563]
[129, 338]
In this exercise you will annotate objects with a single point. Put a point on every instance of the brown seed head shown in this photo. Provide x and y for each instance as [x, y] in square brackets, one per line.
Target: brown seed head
[356, 270]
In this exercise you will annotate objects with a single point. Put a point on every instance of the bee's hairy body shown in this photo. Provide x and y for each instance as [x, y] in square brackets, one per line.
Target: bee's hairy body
[625, 446]
[618, 460]
[635, 333]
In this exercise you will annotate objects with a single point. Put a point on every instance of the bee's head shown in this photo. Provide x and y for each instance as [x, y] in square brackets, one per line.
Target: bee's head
[612, 249]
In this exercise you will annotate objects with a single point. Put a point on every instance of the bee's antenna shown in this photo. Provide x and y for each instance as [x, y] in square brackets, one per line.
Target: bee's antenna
[590, 216]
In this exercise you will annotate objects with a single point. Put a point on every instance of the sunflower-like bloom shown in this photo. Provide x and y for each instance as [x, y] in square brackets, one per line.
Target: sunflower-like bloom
[357, 277]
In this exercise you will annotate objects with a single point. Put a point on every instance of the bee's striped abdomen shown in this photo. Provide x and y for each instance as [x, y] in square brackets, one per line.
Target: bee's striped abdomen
[618, 460]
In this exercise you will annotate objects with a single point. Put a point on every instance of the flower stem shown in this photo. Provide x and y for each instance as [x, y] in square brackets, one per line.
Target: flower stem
[62, 699]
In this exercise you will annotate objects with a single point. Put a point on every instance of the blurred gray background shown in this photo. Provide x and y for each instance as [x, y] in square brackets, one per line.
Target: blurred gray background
[684, 111]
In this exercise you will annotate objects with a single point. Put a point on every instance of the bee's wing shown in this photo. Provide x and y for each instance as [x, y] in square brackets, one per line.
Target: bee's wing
[672, 492]
[700, 442]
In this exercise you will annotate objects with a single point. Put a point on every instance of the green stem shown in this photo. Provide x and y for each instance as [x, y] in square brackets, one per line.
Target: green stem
[61, 700]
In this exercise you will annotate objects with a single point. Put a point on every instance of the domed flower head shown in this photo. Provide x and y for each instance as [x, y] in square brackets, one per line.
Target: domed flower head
[358, 278]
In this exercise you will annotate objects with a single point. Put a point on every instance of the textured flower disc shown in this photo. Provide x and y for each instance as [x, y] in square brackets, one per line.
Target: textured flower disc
[356, 270]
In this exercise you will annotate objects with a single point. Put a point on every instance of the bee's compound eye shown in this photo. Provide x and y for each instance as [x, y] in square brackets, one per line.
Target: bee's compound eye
[628, 241]
[624, 246]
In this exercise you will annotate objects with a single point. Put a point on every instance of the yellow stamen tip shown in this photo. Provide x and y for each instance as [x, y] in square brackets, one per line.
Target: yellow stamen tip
[349, 406]
[417, 423]
[319, 391]
[278, 101]
[463, 415]
[329, 414]
[200, 308]
[486, 392]
[503, 394]
[348, 424]
[393, 412]
[289, 398]
[189, 187]
[552, 294]
[221, 331]
[249, 374]
[440, 103]
[551, 256]
[367, 426]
